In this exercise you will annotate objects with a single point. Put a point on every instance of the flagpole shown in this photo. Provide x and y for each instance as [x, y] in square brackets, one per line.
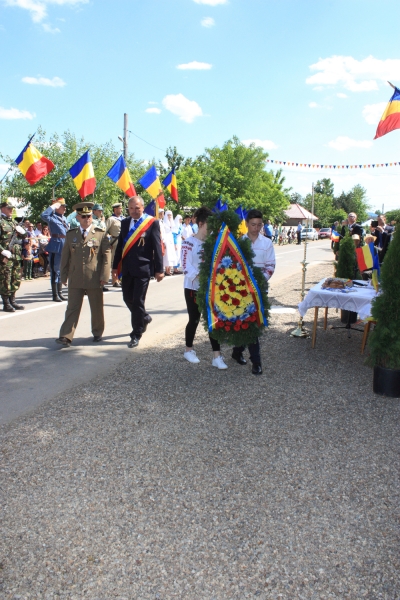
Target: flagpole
[393, 86]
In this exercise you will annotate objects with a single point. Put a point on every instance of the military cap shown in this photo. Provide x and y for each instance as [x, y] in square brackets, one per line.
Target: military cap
[117, 205]
[6, 205]
[60, 200]
[97, 207]
[83, 208]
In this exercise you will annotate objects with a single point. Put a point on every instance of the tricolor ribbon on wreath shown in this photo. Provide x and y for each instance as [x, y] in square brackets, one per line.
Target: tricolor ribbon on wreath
[233, 298]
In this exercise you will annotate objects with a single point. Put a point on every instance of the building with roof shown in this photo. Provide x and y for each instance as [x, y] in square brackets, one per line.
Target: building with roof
[296, 213]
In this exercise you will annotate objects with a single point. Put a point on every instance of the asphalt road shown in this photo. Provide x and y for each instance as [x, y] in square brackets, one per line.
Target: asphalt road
[34, 369]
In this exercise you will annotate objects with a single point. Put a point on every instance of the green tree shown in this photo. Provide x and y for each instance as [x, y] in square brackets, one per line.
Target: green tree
[393, 215]
[64, 151]
[346, 266]
[354, 201]
[237, 174]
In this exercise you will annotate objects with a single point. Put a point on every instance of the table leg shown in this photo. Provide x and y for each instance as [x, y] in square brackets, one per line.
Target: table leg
[314, 332]
[367, 327]
[326, 319]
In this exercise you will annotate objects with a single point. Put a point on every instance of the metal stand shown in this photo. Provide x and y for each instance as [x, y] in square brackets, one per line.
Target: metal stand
[300, 330]
[347, 326]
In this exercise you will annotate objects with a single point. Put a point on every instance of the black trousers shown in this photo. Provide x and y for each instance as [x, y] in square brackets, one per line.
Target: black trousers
[254, 351]
[194, 320]
[134, 290]
[298, 233]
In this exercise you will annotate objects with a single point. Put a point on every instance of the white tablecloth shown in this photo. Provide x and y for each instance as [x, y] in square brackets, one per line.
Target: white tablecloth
[358, 299]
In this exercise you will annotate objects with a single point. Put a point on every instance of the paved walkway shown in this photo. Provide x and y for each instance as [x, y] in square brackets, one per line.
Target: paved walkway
[171, 480]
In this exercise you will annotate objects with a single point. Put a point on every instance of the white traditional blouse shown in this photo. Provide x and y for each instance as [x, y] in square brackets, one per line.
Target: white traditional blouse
[190, 260]
[264, 252]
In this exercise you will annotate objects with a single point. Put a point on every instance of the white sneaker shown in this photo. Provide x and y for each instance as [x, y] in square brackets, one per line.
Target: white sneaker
[190, 355]
[219, 363]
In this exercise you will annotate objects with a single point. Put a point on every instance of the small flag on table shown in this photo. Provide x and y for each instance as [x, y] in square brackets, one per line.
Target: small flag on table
[119, 174]
[151, 183]
[171, 185]
[83, 175]
[32, 164]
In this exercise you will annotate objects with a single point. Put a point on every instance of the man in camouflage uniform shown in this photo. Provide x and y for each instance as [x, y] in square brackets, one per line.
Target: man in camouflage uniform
[113, 227]
[11, 236]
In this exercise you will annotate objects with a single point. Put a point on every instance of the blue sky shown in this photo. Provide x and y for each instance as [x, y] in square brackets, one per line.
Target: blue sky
[306, 79]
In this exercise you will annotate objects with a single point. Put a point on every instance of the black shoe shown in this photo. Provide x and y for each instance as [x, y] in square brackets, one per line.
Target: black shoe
[134, 342]
[256, 370]
[147, 321]
[105, 289]
[97, 338]
[240, 359]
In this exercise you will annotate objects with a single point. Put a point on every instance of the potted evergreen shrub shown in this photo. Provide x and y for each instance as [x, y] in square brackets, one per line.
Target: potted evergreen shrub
[346, 267]
[384, 340]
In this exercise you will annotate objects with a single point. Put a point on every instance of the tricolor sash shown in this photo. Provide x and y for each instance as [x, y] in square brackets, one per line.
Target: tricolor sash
[134, 234]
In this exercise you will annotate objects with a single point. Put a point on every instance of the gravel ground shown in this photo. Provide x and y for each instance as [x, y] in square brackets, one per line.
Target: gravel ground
[171, 480]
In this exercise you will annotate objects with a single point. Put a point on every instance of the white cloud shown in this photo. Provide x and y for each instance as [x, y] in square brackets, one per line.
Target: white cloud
[341, 95]
[372, 112]
[49, 29]
[208, 22]
[55, 82]
[211, 2]
[155, 111]
[194, 66]
[344, 143]
[313, 105]
[186, 110]
[354, 75]
[15, 113]
[265, 144]
[152, 102]
[38, 8]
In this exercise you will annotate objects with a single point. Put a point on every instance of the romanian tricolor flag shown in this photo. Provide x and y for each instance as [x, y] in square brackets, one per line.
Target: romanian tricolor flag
[83, 175]
[365, 257]
[171, 185]
[233, 297]
[119, 174]
[335, 236]
[220, 206]
[151, 183]
[241, 212]
[390, 119]
[32, 164]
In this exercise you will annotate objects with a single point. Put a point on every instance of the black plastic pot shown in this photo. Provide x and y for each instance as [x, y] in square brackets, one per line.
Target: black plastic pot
[387, 382]
[348, 316]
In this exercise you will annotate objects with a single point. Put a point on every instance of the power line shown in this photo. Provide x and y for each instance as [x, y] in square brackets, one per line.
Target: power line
[162, 150]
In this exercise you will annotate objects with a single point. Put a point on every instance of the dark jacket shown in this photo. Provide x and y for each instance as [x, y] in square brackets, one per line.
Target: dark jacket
[355, 230]
[143, 258]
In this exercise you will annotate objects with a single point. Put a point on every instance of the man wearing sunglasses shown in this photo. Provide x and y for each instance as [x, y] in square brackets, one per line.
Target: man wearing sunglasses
[85, 263]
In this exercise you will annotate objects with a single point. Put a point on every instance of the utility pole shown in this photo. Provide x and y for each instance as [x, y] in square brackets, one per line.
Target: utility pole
[125, 140]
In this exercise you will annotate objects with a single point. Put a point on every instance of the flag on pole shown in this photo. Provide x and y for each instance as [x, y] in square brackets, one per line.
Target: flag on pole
[390, 120]
[119, 174]
[151, 183]
[32, 164]
[242, 229]
[83, 175]
[171, 185]
[335, 236]
[150, 209]
[220, 206]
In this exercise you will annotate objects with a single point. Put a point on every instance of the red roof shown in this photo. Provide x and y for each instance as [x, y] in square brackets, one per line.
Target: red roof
[296, 211]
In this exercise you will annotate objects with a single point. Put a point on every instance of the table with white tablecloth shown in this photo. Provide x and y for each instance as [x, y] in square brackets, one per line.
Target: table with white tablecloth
[356, 299]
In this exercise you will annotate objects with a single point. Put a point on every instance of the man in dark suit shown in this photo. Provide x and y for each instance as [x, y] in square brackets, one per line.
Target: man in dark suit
[137, 256]
[354, 227]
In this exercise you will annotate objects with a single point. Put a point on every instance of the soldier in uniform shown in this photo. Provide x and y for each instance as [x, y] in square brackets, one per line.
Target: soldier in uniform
[58, 227]
[98, 217]
[11, 236]
[85, 263]
[113, 228]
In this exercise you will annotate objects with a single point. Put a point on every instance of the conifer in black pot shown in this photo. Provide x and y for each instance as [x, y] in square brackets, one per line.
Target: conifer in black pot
[384, 340]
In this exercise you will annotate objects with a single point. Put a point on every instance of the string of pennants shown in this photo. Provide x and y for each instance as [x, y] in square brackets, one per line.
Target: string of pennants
[315, 166]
